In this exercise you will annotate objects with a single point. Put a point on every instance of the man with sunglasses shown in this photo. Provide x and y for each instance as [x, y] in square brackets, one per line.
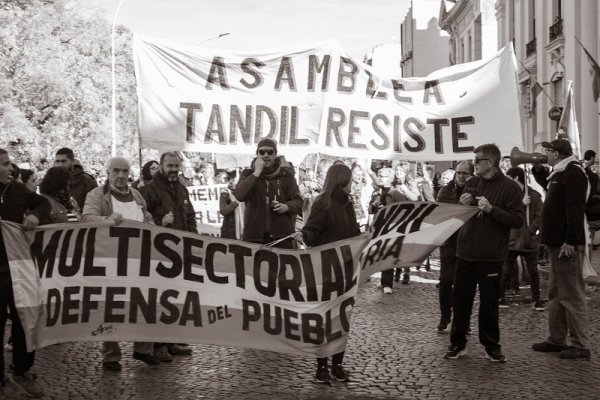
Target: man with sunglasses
[271, 197]
[481, 248]
[563, 232]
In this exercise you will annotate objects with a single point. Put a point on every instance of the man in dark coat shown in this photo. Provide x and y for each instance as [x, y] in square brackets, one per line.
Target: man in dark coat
[81, 182]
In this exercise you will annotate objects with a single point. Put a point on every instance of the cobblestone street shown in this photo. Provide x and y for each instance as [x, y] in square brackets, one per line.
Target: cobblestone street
[394, 352]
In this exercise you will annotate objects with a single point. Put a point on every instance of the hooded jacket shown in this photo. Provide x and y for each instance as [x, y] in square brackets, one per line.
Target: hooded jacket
[81, 184]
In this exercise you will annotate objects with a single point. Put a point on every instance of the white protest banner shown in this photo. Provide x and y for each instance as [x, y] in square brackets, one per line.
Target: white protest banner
[205, 200]
[318, 99]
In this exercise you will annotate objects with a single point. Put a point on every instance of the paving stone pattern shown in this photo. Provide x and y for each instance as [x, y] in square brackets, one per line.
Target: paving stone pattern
[394, 352]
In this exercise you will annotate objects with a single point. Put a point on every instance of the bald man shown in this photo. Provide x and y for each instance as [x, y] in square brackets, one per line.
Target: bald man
[117, 201]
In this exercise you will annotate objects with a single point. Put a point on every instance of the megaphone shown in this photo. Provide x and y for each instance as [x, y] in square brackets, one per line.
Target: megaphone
[518, 157]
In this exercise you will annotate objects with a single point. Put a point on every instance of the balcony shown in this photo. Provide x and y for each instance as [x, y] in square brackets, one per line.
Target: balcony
[556, 30]
[530, 47]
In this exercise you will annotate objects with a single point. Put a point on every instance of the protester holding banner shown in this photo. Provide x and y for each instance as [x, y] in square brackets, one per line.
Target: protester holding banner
[381, 197]
[563, 231]
[482, 247]
[15, 200]
[271, 196]
[450, 193]
[116, 201]
[332, 219]
[55, 187]
[168, 201]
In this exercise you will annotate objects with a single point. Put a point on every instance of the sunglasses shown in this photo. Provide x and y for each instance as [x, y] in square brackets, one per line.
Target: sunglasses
[269, 152]
[477, 160]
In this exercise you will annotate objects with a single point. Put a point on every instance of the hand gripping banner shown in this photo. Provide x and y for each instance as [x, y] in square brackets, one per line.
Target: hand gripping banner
[133, 281]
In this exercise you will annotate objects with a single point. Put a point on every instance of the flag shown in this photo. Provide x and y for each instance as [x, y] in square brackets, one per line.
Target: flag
[568, 122]
[595, 72]
[536, 89]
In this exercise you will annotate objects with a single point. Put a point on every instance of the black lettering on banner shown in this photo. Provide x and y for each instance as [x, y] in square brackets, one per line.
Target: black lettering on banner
[380, 132]
[258, 125]
[409, 124]
[348, 267]
[87, 304]
[285, 73]
[335, 120]
[290, 326]
[217, 74]
[289, 262]
[247, 67]
[458, 135]
[172, 255]
[312, 328]
[250, 313]
[333, 275]
[189, 259]
[112, 305]
[309, 278]
[389, 216]
[393, 250]
[236, 122]
[123, 234]
[277, 319]
[44, 256]
[314, 67]
[397, 135]
[369, 254]
[283, 125]
[399, 87]
[147, 307]
[190, 119]
[239, 253]
[294, 139]
[209, 266]
[346, 79]
[438, 123]
[371, 92]
[71, 270]
[88, 262]
[191, 309]
[353, 130]
[344, 320]
[215, 126]
[173, 312]
[53, 306]
[432, 88]
[270, 258]
[331, 336]
[146, 252]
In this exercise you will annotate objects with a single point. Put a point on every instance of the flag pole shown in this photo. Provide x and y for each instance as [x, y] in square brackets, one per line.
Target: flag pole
[114, 89]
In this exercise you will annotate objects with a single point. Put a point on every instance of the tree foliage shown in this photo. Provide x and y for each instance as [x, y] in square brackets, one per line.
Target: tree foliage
[55, 84]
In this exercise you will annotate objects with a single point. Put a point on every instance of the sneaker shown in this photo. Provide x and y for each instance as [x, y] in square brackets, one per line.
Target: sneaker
[455, 352]
[495, 355]
[338, 373]
[502, 303]
[180, 349]
[405, 279]
[443, 325]
[149, 359]
[26, 384]
[163, 356]
[322, 375]
[538, 305]
[112, 366]
[549, 347]
[575, 353]
[387, 290]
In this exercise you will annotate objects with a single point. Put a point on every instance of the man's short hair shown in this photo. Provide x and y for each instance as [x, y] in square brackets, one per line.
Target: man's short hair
[66, 152]
[169, 154]
[518, 173]
[490, 150]
[469, 164]
[587, 156]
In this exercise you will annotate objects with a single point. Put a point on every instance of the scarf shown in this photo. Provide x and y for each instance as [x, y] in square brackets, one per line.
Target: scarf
[63, 198]
[272, 171]
[562, 165]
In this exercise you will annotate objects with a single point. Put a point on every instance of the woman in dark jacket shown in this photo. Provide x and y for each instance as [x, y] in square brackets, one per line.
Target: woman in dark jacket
[332, 218]
[55, 187]
[148, 171]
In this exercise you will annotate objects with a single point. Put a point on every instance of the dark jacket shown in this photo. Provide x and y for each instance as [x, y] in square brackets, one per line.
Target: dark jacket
[385, 196]
[564, 207]
[484, 237]
[15, 200]
[163, 197]
[450, 194]
[227, 209]
[525, 239]
[81, 184]
[260, 221]
[326, 225]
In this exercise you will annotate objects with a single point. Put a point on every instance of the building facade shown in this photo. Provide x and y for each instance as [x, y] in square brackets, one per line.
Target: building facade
[545, 34]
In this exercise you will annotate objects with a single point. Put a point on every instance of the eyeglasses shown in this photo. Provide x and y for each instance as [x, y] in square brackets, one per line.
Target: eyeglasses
[269, 152]
[548, 151]
[463, 173]
[477, 160]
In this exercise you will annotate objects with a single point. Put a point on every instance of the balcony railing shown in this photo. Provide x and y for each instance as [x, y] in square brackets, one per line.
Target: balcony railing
[530, 47]
[556, 30]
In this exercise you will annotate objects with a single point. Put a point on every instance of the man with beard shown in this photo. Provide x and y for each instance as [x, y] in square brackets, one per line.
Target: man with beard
[168, 201]
[81, 182]
[271, 197]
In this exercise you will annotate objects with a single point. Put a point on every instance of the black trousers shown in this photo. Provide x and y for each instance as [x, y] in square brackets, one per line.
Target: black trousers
[336, 359]
[510, 272]
[468, 276]
[21, 359]
[447, 273]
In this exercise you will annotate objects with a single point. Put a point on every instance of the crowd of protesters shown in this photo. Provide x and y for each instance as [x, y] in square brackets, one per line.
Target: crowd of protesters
[517, 217]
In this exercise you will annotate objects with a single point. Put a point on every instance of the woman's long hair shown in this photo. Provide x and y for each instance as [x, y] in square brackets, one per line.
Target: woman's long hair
[146, 174]
[56, 184]
[338, 176]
